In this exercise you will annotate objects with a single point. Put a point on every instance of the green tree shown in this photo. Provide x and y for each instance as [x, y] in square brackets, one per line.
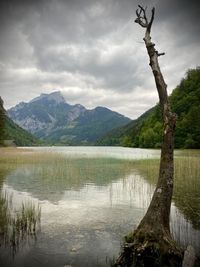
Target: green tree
[127, 141]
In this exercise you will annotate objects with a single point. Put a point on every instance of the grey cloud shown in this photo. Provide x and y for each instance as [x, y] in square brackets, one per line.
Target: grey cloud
[182, 18]
[94, 46]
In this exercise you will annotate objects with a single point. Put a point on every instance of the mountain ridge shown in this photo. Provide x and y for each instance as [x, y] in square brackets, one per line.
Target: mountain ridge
[52, 119]
[146, 131]
[56, 96]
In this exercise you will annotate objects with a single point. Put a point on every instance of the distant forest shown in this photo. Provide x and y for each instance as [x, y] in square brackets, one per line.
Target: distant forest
[10, 131]
[145, 132]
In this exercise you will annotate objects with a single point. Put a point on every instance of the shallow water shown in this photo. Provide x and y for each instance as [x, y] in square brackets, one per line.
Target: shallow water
[88, 202]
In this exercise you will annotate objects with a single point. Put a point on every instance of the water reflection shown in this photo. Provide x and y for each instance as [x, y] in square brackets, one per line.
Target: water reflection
[50, 181]
[183, 230]
[186, 193]
[18, 223]
[88, 205]
[102, 152]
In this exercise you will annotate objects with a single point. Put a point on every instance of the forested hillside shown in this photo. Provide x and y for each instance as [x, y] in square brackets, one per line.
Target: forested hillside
[146, 131]
[20, 136]
[11, 133]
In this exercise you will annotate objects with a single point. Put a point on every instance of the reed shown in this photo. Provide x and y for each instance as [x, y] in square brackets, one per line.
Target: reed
[16, 226]
[186, 193]
[61, 172]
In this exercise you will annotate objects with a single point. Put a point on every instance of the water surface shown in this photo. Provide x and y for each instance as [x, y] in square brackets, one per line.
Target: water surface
[90, 198]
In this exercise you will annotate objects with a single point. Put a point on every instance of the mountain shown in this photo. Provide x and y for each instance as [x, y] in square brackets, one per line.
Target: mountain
[11, 132]
[124, 135]
[50, 118]
[20, 136]
[146, 131]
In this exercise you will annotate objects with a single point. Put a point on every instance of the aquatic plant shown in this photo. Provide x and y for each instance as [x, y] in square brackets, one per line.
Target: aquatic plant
[17, 225]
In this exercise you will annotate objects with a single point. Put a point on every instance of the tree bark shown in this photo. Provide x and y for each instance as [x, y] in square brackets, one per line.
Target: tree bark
[151, 243]
[161, 201]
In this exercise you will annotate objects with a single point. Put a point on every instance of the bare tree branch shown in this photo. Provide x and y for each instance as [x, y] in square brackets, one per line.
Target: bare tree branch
[144, 12]
[159, 54]
[141, 17]
[151, 21]
[142, 20]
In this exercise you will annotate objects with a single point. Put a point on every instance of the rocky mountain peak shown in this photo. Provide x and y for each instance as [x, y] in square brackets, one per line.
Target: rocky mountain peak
[55, 96]
[51, 118]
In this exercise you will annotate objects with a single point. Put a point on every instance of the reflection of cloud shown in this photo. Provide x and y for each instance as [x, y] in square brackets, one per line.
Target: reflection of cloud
[119, 204]
[18, 197]
[183, 231]
[94, 46]
[72, 205]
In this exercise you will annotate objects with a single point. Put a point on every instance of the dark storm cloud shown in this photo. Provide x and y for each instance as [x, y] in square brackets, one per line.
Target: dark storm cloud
[93, 50]
[182, 18]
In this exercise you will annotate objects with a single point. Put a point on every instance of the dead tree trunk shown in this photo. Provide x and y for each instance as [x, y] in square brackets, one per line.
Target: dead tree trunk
[151, 243]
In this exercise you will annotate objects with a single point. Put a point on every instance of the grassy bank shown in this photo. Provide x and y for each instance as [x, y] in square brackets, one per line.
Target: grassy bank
[186, 183]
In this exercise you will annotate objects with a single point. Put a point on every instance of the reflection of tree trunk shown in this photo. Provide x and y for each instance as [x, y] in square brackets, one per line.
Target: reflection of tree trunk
[151, 243]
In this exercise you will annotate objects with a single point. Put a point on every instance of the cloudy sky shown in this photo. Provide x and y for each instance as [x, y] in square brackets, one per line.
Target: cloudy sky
[92, 51]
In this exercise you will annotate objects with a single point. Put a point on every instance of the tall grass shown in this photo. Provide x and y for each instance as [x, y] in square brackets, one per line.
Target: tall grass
[57, 171]
[186, 193]
[16, 226]
[54, 170]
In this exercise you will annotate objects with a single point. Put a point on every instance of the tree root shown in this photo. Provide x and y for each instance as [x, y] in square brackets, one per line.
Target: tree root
[149, 249]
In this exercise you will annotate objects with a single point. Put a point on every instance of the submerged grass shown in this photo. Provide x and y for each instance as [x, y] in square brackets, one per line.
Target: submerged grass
[64, 172]
[4, 215]
[58, 172]
[24, 223]
[16, 226]
[186, 193]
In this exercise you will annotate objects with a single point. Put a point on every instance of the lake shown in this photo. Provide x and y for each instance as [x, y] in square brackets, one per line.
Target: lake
[90, 198]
